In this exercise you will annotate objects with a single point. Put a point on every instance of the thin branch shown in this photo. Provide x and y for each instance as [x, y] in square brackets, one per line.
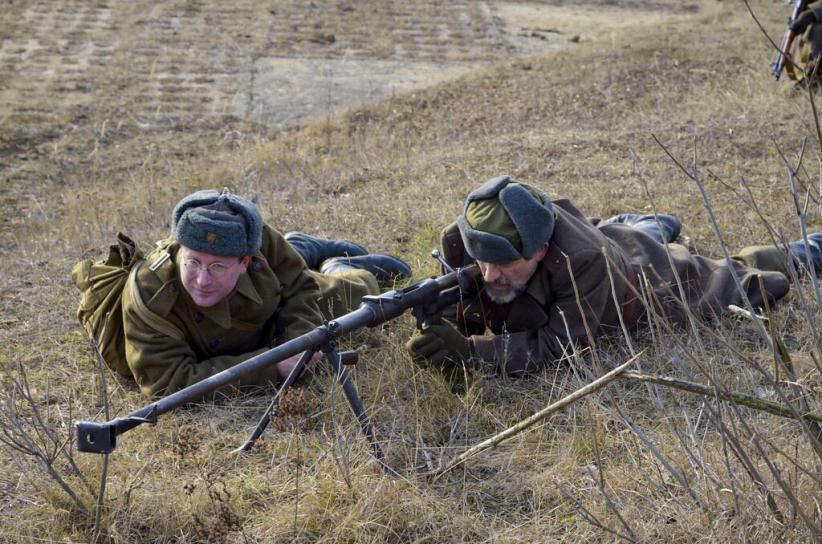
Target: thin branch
[539, 416]
[101, 495]
[749, 401]
[694, 175]
[591, 518]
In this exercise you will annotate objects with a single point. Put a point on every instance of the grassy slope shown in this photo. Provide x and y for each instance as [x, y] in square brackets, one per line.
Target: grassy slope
[578, 123]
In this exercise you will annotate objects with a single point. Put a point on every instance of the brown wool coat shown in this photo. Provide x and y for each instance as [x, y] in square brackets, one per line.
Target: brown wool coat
[571, 288]
[277, 299]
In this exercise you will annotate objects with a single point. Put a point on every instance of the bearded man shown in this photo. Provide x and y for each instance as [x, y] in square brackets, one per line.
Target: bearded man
[553, 278]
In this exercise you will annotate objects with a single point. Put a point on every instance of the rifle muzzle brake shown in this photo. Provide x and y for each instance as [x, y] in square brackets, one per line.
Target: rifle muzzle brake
[96, 437]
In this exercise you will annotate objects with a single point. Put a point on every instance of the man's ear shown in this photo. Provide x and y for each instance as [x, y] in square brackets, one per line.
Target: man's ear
[244, 262]
[543, 251]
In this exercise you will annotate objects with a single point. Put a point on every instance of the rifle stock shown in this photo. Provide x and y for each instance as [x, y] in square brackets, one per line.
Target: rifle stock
[425, 297]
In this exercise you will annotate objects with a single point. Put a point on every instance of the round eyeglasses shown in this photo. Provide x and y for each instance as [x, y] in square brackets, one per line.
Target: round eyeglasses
[215, 270]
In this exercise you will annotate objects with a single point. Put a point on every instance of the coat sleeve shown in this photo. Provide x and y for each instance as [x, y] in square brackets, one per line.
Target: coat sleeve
[299, 311]
[518, 353]
[163, 364]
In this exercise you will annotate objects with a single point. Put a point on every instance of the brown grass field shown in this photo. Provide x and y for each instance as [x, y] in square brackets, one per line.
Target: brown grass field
[372, 121]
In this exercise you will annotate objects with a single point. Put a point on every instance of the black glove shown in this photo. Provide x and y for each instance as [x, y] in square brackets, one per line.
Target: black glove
[807, 17]
[440, 346]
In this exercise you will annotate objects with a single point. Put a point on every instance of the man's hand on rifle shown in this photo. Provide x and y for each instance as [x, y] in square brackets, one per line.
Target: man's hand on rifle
[285, 366]
[440, 346]
[806, 18]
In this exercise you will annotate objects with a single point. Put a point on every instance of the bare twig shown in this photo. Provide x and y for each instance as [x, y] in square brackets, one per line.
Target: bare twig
[815, 118]
[748, 401]
[694, 175]
[590, 517]
[539, 416]
[801, 216]
[33, 437]
[101, 495]
[609, 502]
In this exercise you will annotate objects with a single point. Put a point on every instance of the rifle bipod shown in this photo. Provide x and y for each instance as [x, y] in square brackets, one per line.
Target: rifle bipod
[338, 361]
[426, 298]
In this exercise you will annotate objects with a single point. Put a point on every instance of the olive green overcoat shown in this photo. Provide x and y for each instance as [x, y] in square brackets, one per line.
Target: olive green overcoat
[808, 46]
[278, 298]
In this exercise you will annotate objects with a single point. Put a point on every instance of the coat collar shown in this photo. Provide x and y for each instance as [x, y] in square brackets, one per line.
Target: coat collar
[539, 285]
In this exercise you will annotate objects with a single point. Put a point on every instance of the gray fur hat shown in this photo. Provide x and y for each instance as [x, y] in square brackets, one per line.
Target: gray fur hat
[217, 223]
[504, 220]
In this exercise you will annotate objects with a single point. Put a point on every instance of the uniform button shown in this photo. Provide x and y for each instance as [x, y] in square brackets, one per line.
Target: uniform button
[198, 317]
[214, 344]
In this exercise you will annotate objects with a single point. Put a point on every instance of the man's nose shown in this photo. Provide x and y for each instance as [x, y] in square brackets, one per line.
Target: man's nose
[490, 273]
[203, 277]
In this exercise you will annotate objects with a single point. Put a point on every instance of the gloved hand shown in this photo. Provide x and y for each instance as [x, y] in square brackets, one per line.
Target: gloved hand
[807, 17]
[440, 345]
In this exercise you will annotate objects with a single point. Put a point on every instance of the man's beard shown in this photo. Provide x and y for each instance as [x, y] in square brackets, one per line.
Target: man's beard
[509, 293]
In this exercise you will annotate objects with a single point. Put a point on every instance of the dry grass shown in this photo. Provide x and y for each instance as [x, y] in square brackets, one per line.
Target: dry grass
[579, 123]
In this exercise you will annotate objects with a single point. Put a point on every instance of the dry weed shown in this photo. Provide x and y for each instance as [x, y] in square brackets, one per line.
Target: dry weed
[637, 463]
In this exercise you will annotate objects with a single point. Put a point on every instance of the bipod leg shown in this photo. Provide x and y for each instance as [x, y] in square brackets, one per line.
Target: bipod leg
[272, 407]
[356, 405]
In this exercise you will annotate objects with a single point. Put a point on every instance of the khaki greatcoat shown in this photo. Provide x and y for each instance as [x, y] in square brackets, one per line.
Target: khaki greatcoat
[276, 300]
[806, 48]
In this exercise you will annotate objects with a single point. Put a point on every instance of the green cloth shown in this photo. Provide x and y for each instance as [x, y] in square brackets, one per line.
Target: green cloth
[489, 215]
[764, 258]
[342, 293]
[808, 46]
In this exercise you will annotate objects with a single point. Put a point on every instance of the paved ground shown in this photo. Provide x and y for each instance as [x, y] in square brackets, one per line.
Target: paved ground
[80, 76]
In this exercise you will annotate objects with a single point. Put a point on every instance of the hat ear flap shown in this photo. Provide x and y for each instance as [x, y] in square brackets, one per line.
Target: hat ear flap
[489, 189]
[252, 216]
[534, 220]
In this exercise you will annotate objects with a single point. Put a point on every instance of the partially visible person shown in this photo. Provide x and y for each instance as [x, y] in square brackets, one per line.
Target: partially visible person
[553, 278]
[226, 286]
[807, 46]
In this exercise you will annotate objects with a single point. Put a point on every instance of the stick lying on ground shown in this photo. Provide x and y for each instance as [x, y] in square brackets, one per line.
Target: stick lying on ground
[426, 298]
[741, 399]
[748, 401]
[539, 416]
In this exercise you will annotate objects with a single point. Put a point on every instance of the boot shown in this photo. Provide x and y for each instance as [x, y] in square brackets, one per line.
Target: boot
[316, 250]
[810, 261]
[670, 225]
[386, 269]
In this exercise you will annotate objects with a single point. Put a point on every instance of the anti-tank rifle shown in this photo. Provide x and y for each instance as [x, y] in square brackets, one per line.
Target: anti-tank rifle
[427, 299]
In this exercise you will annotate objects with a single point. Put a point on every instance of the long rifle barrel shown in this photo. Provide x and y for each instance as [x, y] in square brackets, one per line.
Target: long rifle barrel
[374, 310]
